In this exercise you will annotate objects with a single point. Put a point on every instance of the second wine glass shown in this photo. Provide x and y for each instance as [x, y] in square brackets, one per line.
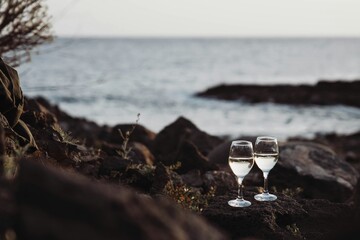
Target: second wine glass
[266, 156]
[241, 160]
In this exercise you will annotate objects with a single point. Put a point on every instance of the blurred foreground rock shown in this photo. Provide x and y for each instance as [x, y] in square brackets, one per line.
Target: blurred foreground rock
[58, 205]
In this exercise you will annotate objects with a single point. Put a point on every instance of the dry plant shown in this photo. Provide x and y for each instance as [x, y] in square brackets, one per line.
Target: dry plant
[187, 197]
[10, 163]
[125, 150]
[67, 137]
[24, 24]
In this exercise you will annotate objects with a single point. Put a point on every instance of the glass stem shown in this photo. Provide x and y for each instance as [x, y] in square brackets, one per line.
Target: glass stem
[240, 188]
[266, 189]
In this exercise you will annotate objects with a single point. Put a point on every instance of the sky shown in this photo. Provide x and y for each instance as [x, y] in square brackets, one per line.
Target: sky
[206, 18]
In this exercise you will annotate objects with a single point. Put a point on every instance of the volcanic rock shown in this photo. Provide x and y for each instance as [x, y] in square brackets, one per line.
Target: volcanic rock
[285, 218]
[323, 93]
[183, 134]
[221, 180]
[316, 169]
[191, 158]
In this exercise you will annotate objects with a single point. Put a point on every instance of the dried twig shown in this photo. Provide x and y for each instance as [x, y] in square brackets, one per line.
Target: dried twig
[125, 150]
[24, 24]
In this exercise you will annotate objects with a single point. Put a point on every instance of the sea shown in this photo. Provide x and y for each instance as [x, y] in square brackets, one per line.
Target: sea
[111, 80]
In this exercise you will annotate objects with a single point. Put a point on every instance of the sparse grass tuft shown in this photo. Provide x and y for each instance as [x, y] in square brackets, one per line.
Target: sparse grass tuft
[11, 161]
[66, 137]
[143, 169]
[188, 197]
[292, 192]
[175, 166]
[125, 150]
[295, 231]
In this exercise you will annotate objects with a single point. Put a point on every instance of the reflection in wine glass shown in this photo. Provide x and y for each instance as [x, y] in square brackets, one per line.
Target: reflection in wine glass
[266, 156]
[241, 160]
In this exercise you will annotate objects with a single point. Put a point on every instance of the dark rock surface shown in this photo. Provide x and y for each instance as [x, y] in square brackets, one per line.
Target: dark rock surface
[286, 218]
[83, 130]
[183, 137]
[345, 146]
[317, 170]
[79, 128]
[191, 158]
[222, 180]
[323, 93]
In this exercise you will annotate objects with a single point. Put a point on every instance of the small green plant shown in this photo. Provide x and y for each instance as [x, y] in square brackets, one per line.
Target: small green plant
[125, 150]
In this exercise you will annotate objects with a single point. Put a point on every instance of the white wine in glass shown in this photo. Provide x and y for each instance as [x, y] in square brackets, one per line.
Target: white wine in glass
[241, 160]
[266, 156]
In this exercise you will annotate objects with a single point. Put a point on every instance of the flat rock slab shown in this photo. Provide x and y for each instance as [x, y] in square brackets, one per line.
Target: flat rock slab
[285, 218]
[323, 93]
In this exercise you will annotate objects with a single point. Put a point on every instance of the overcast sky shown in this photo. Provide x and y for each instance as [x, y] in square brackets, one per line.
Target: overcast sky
[243, 18]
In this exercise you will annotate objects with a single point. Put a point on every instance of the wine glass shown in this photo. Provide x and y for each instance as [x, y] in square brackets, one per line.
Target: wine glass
[241, 160]
[266, 156]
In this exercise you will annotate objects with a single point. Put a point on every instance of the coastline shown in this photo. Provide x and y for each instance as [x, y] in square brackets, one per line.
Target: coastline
[182, 121]
[147, 77]
[178, 164]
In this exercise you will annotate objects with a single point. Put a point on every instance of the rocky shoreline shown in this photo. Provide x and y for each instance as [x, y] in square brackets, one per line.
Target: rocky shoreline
[174, 184]
[323, 93]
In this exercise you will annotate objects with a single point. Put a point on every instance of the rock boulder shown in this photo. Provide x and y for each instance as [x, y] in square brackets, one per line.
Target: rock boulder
[181, 134]
[316, 169]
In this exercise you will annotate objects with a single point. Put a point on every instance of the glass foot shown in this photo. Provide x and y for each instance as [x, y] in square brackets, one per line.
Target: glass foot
[264, 197]
[239, 203]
